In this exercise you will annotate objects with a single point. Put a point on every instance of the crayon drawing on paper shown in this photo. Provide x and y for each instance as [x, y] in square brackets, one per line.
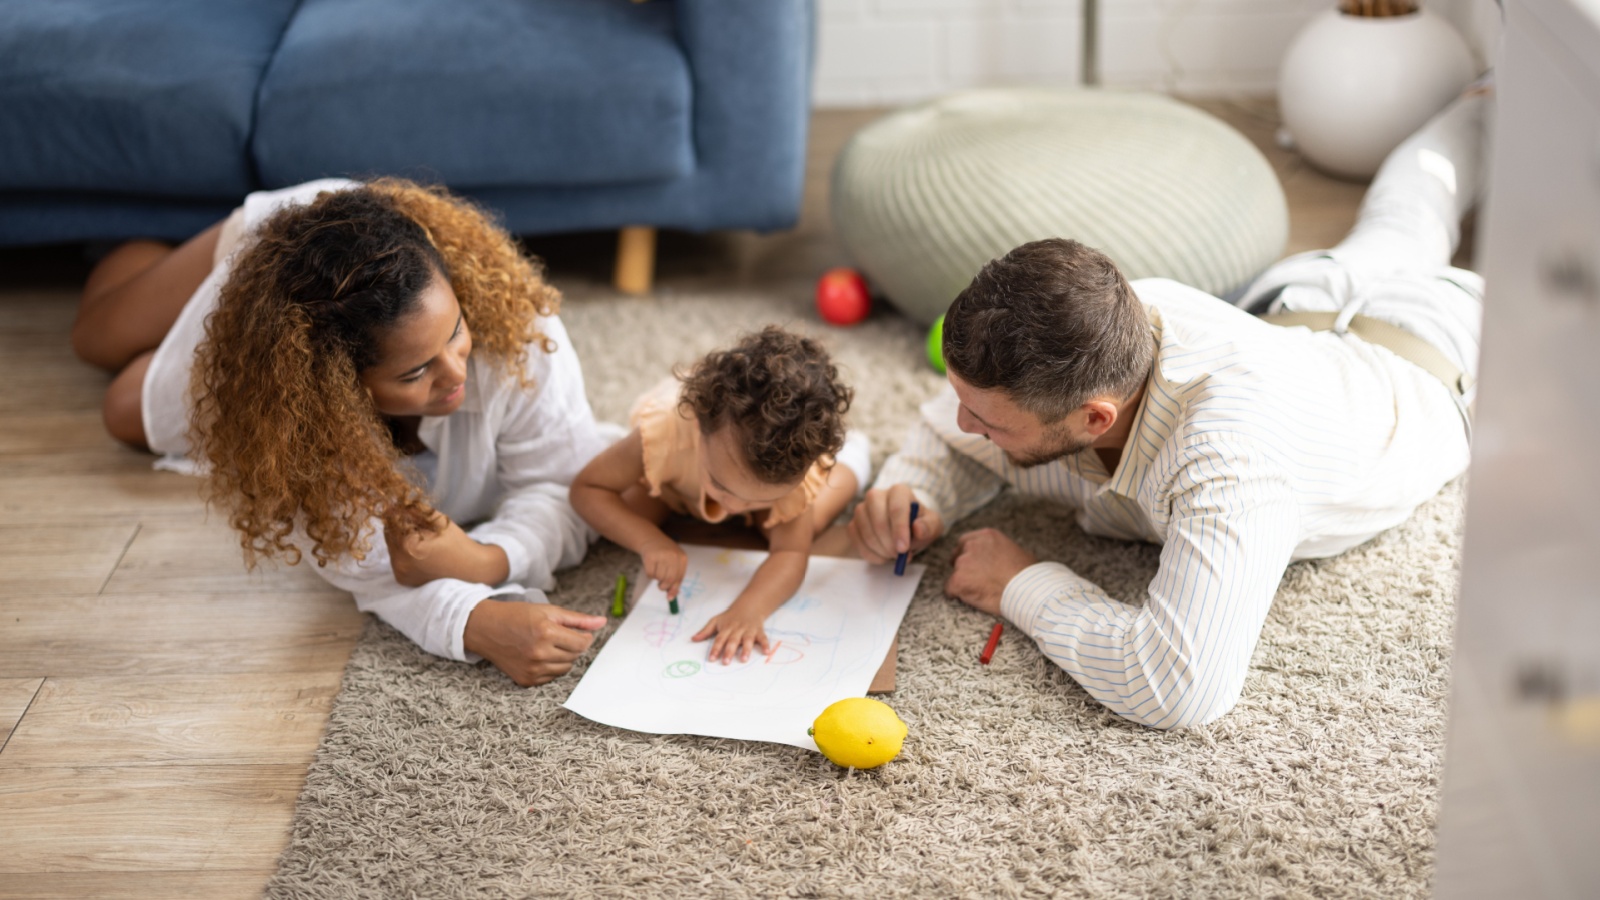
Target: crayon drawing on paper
[824, 644]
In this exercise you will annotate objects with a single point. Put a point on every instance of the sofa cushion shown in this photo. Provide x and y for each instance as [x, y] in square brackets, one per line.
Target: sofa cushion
[477, 93]
[133, 96]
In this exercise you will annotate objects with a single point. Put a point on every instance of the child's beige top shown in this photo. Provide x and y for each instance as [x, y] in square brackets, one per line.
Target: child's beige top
[671, 438]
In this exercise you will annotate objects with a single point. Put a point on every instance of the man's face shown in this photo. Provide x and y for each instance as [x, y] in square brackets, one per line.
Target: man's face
[1025, 440]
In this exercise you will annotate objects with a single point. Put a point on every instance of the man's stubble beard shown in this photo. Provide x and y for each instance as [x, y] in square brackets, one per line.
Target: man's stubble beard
[1059, 444]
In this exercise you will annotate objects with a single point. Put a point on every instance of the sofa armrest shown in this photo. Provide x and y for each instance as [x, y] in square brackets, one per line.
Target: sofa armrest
[751, 62]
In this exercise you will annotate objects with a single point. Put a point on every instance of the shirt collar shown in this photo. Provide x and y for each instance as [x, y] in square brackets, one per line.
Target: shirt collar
[1154, 423]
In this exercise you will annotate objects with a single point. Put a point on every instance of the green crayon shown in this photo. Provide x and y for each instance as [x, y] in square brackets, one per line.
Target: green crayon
[616, 597]
[672, 604]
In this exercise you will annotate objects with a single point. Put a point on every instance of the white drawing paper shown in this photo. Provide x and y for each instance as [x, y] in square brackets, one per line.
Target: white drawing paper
[826, 643]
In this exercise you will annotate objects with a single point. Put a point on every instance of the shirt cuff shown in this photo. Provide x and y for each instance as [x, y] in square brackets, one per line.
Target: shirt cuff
[458, 640]
[456, 630]
[517, 556]
[1025, 596]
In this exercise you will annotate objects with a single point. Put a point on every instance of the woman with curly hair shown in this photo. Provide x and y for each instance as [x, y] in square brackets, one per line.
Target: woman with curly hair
[363, 371]
[756, 431]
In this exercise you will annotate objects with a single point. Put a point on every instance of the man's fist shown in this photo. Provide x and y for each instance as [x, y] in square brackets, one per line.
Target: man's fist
[986, 561]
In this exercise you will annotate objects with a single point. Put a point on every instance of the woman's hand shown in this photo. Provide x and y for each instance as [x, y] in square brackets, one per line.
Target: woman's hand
[421, 557]
[666, 562]
[738, 628]
[531, 642]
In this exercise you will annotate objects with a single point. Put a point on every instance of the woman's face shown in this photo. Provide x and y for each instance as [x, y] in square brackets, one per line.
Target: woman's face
[422, 368]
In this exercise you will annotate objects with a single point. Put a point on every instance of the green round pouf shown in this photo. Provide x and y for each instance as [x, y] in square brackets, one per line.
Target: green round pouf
[936, 345]
[925, 196]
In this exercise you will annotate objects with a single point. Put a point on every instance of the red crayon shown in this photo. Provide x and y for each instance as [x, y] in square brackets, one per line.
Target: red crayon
[994, 641]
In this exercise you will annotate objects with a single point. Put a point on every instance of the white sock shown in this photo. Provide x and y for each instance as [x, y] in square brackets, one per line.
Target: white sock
[856, 455]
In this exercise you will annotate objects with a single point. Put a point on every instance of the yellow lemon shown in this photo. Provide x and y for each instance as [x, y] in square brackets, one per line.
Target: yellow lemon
[859, 733]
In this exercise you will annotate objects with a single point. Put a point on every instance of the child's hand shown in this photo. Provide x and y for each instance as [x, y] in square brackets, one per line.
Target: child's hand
[737, 631]
[666, 562]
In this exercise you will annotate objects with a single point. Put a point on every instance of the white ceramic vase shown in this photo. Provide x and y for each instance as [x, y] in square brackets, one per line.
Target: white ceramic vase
[1353, 87]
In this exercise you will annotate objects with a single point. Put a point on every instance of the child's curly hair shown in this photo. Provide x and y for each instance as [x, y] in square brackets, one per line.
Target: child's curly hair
[782, 393]
[279, 412]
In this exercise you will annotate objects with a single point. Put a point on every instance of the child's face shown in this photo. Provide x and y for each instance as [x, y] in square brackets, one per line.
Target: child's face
[726, 478]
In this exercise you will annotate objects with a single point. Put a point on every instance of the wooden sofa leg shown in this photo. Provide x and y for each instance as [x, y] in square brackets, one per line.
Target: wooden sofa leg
[636, 259]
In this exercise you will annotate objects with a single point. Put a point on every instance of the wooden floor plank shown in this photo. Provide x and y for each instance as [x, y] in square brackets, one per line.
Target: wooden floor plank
[120, 495]
[247, 719]
[46, 378]
[60, 559]
[177, 634]
[15, 695]
[54, 431]
[235, 884]
[108, 461]
[151, 818]
[201, 555]
[45, 312]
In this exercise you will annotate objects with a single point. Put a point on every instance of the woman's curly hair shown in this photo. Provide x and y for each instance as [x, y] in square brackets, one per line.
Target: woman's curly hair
[782, 393]
[279, 412]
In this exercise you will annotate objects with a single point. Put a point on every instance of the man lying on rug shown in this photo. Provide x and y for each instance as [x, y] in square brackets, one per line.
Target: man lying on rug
[1240, 444]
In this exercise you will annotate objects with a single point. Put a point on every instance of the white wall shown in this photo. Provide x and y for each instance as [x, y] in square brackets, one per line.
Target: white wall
[887, 52]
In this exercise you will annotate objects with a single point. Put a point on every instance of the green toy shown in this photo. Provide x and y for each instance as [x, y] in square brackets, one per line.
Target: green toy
[936, 345]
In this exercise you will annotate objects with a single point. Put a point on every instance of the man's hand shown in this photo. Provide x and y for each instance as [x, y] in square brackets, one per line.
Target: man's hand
[881, 528]
[531, 642]
[421, 557]
[986, 561]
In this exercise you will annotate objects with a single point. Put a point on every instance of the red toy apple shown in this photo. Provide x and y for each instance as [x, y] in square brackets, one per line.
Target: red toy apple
[842, 297]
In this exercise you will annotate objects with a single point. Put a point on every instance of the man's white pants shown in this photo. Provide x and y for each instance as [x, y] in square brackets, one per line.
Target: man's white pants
[1395, 264]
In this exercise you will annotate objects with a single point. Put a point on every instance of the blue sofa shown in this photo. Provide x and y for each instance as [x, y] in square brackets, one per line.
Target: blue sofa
[124, 118]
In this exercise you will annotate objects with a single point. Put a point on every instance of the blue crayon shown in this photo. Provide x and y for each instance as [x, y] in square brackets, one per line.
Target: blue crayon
[900, 561]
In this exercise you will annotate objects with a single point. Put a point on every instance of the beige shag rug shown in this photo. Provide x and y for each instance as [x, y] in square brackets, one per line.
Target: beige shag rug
[439, 779]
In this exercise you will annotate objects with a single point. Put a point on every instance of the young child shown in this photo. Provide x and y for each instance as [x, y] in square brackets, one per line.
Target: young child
[755, 430]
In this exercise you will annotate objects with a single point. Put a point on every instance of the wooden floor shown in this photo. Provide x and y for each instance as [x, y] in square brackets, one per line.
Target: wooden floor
[159, 706]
